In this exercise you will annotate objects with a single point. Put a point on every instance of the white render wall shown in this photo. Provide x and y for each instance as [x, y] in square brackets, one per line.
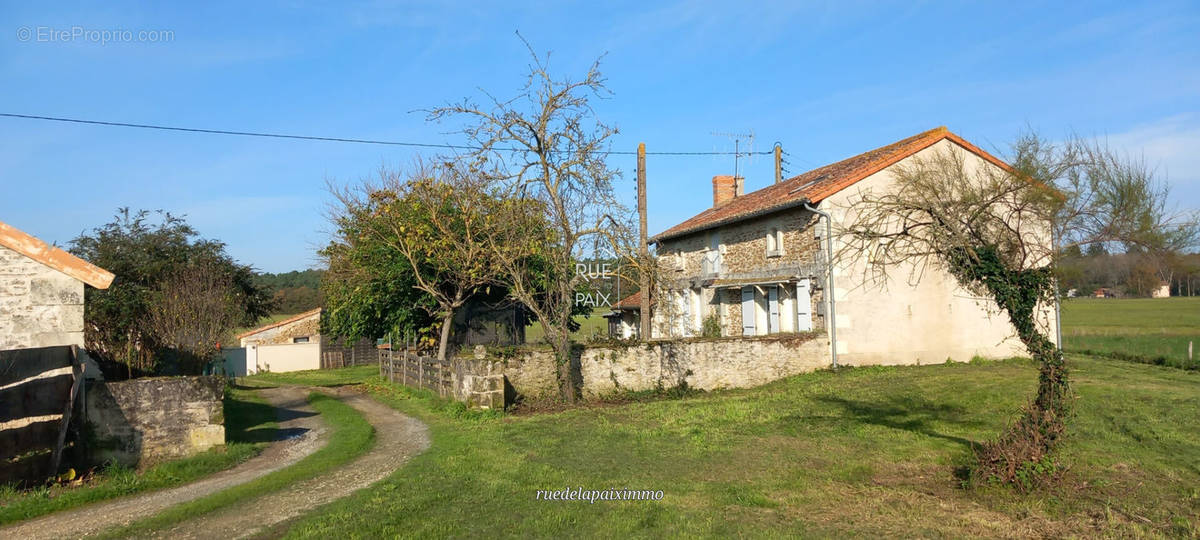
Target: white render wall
[913, 319]
[286, 357]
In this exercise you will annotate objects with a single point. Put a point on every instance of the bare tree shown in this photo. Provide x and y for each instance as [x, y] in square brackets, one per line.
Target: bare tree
[545, 145]
[997, 230]
[195, 306]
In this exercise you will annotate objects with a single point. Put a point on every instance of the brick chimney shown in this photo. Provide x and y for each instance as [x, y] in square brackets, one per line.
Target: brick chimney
[727, 188]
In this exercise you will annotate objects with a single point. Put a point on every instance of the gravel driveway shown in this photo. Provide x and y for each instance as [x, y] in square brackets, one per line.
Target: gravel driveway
[397, 438]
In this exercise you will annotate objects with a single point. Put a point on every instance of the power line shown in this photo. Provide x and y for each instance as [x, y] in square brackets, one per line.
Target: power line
[328, 139]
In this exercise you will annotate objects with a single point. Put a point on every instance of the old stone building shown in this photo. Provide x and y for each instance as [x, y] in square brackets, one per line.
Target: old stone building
[756, 264]
[41, 292]
[302, 328]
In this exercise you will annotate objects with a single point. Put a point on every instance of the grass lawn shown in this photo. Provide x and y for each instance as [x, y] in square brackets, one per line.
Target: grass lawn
[1155, 330]
[247, 419]
[866, 452]
[591, 325]
[351, 436]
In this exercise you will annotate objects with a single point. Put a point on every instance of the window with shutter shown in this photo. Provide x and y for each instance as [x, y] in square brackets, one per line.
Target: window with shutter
[747, 311]
[804, 306]
[773, 310]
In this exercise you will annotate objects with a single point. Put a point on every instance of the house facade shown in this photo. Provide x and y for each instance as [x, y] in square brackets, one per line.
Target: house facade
[756, 264]
[41, 292]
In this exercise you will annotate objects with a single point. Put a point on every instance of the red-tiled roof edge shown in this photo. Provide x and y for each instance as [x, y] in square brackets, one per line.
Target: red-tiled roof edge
[29, 246]
[629, 302]
[288, 320]
[919, 142]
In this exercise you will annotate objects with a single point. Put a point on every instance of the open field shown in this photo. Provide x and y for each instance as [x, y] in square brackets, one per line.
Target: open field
[1155, 330]
[869, 451]
[591, 325]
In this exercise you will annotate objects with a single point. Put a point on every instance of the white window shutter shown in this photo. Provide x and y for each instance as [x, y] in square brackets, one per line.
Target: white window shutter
[803, 306]
[747, 311]
[773, 309]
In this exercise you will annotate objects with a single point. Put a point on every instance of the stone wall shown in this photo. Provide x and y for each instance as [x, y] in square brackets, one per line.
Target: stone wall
[308, 326]
[144, 421]
[705, 364]
[39, 306]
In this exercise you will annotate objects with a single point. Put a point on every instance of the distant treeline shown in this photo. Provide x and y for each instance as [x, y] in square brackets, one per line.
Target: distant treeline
[294, 291]
[1128, 274]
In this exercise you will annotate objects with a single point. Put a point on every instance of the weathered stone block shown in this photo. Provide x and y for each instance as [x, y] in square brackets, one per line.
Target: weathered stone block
[145, 421]
[55, 289]
[14, 286]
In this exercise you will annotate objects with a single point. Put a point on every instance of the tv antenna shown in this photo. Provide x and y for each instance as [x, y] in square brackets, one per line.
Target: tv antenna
[738, 150]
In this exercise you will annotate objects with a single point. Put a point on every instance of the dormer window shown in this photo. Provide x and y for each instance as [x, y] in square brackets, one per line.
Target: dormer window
[774, 242]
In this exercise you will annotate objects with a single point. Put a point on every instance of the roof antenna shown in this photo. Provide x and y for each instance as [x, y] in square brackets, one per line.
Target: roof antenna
[737, 147]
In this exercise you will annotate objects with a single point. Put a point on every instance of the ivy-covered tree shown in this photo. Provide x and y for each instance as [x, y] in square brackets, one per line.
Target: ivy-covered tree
[150, 259]
[999, 232]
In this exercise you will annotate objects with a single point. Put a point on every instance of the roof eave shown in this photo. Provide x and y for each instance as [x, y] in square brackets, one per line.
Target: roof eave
[731, 219]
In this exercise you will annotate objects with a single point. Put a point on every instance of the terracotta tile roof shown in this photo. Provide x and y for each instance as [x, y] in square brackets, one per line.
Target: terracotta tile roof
[817, 184]
[21, 242]
[288, 320]
[633, 301]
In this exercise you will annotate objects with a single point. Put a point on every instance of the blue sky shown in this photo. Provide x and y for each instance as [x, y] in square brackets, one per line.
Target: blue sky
[826, 79]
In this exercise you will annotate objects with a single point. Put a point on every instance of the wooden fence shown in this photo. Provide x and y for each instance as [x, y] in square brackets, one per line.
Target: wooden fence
[38, 392]
[411, 369]
[337, 353]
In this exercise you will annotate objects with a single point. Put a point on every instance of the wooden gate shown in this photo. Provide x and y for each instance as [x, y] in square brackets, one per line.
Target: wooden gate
[38, 392]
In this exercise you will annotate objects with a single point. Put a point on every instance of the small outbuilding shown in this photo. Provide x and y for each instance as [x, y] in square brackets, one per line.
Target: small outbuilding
[295, 344]
[41, 292]
[624, 321]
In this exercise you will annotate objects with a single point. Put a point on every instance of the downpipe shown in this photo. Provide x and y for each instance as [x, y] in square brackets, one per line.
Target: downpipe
[828, 280]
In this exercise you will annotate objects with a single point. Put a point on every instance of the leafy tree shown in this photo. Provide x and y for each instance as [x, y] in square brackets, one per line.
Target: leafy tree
[547, 150]
[998, 232]
[444, 223]
[369, 288]
[149, 259]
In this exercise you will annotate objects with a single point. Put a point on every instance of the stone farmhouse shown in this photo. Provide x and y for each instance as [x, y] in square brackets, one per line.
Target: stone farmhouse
[756, 264]
[41, 292]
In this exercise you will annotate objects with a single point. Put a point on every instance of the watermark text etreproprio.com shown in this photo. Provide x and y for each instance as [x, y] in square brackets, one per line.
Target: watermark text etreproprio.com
[593, 495]
[102, 36]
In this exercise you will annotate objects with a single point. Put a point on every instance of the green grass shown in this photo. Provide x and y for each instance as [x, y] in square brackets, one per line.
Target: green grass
[351, 436]
[594, 324]
[247, 418]
[863, 452]
[1148, 330]
[314, 377]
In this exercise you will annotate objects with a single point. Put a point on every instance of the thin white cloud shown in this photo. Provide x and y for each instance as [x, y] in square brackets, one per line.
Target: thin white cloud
[1171, 146]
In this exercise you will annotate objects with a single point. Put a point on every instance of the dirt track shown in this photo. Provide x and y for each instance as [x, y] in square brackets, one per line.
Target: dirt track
[397, 438]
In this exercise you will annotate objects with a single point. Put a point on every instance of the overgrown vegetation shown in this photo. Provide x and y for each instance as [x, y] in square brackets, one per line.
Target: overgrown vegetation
[174, 296]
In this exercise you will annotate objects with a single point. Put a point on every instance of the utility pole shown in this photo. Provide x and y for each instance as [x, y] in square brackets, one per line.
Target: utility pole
[643, 248]
[778, 163]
